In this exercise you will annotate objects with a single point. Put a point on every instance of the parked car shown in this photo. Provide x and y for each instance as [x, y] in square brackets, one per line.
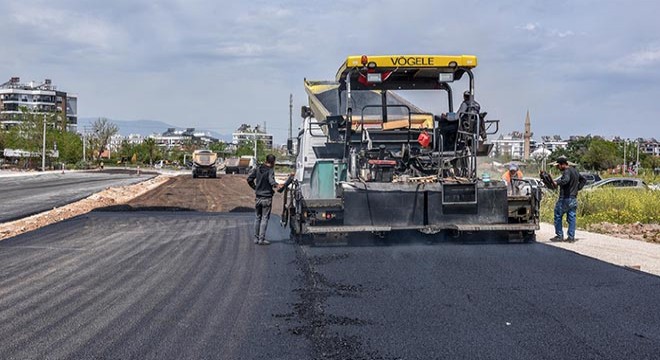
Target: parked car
[618, 183]
[591, 178]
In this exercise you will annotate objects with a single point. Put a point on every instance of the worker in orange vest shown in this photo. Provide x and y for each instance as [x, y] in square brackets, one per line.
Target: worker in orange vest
[510, 175]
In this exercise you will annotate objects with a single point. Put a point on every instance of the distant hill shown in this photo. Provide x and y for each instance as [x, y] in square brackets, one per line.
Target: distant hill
[144, 127]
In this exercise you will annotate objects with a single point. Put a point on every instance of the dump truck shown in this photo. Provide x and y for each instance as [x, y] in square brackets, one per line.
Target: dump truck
[370, 161]
[231, 165]
[240, 165]
[204, 163]
[246, 163]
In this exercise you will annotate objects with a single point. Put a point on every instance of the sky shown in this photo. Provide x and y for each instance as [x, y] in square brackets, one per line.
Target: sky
[579, 67]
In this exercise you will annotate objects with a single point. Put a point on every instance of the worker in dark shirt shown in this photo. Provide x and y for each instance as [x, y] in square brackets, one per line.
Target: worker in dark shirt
[262, 180]
[469, 105]
[569, 184]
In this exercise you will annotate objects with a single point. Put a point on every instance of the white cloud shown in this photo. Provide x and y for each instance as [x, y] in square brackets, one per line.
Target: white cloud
[561, 34]
[264, 14]
[532, 27]
[644, 57]
[70, 26]
[240, 50]
[636, 61]
[536, 28]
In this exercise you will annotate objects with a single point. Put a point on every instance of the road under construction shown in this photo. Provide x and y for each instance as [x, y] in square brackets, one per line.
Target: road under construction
[176, 275]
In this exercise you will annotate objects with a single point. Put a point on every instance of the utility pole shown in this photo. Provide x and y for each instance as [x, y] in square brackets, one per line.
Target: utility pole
[84, 146]
[290, 116]
[625, 163]
[637, 160]
[43, 148]
[255, 146]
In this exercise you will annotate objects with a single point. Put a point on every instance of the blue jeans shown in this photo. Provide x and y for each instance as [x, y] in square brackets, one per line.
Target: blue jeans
[566, 206]
[262, 207]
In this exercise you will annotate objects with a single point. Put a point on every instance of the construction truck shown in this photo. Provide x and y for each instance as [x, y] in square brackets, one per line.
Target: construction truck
[370, 161]
[204, 163]
[240, 165]
[231, 165]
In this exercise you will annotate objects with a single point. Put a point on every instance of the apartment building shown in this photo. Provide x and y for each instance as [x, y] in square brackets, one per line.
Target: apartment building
[247, 133]
[43, 98]
[173, 138]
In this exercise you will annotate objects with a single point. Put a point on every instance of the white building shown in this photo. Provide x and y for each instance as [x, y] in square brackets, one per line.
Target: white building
[173, 138]
[649, 146]
[117, 140]
[512, 145]
[552, 143]
[41, 98]
[246, 133]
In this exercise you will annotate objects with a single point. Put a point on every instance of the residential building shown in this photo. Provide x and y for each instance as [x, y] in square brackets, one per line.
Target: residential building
[41, 98]
[248, 133]
[512, 145]
[552, 143]
[117, 140]
[173, 138]
[649, 146]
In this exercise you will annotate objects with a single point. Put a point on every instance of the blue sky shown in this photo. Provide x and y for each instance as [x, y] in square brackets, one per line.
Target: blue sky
[580, 67]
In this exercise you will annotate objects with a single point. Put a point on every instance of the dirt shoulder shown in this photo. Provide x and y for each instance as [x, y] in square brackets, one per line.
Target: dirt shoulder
[637, 231]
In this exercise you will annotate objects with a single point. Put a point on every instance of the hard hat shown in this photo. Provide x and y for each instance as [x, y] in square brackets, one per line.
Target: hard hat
[513, 167]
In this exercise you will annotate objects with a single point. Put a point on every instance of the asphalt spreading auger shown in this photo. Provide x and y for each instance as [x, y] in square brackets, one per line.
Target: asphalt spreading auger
[368, 160]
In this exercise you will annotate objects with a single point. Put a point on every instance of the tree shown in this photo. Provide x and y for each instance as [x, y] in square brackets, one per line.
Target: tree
[3, 139]
[247, 148]
[28, 134]
[600, 155]
[650, 162]
[557, 153]
[151, 150]
[69, 145]
[102, 131]
[218, 147]
[577, 148]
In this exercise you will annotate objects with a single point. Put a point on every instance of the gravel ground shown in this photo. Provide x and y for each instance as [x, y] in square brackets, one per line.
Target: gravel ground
[636, 254]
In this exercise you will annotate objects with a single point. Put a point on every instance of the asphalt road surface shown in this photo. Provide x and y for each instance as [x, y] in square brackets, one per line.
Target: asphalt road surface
[192, 285]
[135, 284]
[23, 196]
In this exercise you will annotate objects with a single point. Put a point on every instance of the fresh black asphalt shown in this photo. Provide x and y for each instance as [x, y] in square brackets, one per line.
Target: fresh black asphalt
[23, 196]
[186, 285]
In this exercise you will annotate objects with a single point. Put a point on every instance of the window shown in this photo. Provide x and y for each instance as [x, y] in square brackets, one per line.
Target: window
[628, 183]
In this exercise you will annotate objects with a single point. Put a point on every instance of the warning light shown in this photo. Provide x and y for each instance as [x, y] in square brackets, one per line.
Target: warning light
[364, 60]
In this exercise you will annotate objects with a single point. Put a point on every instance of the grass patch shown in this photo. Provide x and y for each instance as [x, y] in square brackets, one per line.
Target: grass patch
[617, 206]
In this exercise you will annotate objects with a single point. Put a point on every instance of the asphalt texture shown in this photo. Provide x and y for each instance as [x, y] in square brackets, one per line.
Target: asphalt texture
[189, 285]
[147, 285]
[23, 196]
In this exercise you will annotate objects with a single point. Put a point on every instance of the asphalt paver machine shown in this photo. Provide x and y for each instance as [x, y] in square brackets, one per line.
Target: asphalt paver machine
[370, 161]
